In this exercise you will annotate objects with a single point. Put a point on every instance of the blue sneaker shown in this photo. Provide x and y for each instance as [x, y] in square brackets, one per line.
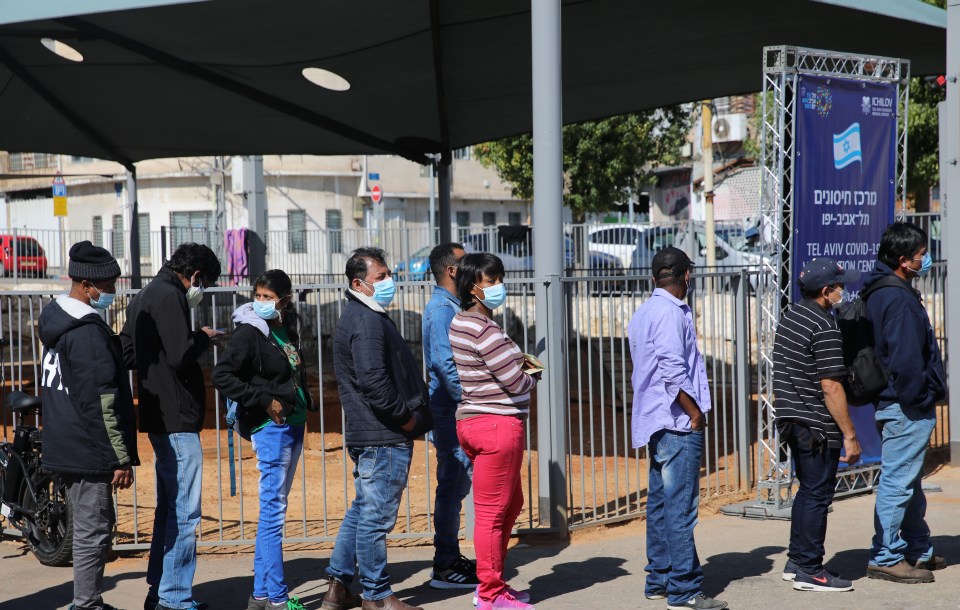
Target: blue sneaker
[789, 571]
[823, 581]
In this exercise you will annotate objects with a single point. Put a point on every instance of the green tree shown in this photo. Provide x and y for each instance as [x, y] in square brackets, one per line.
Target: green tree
[603, 161]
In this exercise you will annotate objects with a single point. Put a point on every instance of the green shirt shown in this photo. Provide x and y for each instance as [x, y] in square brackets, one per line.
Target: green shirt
[299, 414]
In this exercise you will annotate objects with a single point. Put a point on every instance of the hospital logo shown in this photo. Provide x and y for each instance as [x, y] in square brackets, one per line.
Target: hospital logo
[820, 101]
[865, 105]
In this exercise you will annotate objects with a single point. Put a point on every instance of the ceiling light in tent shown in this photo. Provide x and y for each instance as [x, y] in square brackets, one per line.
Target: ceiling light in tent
[326, 79]
[62, 49]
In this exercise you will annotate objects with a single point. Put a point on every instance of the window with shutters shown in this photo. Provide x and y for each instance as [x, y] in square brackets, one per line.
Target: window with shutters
[296, 232]
[117, 248]
[194, 226]
[97, 231]
[335, 231]
[144, 233]
[489, 219]
[514, 219]
[463, 219]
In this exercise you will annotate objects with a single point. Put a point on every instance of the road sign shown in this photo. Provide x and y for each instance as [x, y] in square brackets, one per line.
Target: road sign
[59, 196]
[376, 193]
[373, 176]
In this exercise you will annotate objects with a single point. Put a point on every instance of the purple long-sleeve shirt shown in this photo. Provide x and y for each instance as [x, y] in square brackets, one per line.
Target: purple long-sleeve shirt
[666, 359]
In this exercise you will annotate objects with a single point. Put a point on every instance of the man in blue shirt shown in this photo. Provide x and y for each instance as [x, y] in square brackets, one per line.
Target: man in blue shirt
[451, 570]
[670, 402]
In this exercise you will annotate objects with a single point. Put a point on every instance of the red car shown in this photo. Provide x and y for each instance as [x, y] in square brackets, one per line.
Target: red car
[29, 256]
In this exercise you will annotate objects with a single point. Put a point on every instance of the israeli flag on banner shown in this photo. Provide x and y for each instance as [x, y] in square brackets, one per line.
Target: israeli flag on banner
[846, 147]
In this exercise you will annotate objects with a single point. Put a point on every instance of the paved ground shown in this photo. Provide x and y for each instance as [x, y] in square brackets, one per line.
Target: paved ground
[602, 569]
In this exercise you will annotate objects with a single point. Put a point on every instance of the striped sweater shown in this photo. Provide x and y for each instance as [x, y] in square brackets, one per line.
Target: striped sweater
[489, 364]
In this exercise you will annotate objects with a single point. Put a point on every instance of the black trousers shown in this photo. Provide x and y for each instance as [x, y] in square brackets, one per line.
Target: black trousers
[815, 466]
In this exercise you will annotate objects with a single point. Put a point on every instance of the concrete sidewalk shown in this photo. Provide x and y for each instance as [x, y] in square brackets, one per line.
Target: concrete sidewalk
[742, 561]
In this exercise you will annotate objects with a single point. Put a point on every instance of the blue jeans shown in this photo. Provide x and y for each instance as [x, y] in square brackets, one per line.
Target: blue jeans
[898, 520]
[173, 549]
[454, 476]
[673, 502]
[379, 478]
[278, 449]
[815, 466]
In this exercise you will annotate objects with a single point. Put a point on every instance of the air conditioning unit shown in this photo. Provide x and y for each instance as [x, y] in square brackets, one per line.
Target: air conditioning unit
[730, 128]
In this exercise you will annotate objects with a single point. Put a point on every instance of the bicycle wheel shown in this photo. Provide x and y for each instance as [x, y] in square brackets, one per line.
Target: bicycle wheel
[50, 535]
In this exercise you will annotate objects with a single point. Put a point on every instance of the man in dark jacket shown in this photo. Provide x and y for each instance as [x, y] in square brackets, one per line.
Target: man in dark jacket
[159, 342]
[906, 409]
[89, 427]
[385, 403]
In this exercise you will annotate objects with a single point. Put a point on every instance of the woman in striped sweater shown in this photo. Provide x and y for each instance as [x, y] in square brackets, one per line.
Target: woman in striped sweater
[490, 421]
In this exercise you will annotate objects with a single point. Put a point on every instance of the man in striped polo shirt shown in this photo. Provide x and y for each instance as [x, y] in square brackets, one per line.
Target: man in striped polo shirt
[812, 416]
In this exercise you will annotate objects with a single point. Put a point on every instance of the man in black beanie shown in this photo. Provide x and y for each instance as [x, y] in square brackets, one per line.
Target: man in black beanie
[89, 427]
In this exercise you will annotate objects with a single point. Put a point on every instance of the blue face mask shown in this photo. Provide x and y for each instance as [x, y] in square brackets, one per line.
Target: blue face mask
[494, 296]
[266, 309]
[383, 291]
[925, 264]
[104, 301]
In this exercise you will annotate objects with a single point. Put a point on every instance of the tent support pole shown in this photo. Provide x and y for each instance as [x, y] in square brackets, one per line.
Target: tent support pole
[548, 256]
[133, 201]
[950, 190]
[445, 184]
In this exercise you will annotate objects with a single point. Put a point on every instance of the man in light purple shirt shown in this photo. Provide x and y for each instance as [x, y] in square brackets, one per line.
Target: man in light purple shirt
[670, 402]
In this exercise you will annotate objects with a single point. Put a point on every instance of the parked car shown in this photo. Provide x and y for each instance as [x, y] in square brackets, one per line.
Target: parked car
[23, 254]
[619, 240]
[416, 268]
[734, 250]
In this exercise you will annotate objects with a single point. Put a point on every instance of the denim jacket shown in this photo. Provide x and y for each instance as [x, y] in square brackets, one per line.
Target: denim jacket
[438, 356]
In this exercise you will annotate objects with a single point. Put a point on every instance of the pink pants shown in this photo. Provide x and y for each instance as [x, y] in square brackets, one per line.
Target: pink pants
[494, 443]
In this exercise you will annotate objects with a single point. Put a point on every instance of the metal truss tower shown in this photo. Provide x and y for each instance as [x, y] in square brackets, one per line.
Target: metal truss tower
[782, 65]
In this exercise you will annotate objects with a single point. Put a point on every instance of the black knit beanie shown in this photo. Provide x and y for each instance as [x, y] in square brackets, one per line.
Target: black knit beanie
[93, 263]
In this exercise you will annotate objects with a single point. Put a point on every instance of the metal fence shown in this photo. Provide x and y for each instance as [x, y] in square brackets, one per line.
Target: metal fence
[605, 475]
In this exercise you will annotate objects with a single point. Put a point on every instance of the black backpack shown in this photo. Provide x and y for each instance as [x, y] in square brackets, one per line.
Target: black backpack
[866, 377]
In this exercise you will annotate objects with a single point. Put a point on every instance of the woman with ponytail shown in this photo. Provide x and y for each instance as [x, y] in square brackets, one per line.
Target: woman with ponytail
[262, 370]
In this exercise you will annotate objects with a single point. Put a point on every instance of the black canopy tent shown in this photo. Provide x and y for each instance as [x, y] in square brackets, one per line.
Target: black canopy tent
[224, 77]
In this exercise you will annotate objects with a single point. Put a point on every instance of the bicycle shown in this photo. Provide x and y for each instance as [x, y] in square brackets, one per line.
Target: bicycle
[33, 500]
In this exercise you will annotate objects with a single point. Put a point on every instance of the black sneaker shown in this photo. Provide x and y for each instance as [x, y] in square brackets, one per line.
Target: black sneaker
[789, 571]
[699, 602]
[461, 574]
[656, 594]
[823, 580]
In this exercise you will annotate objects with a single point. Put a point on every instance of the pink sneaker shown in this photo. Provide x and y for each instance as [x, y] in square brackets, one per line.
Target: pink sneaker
[520, 596]
[504, 601]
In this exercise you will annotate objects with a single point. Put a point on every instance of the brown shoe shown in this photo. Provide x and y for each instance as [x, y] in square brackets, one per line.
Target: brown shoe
[339, 597]
[387, 603]
[934, 563]
[902, 572]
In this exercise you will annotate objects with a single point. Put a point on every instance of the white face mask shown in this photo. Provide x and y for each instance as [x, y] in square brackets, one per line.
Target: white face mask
[194, 296]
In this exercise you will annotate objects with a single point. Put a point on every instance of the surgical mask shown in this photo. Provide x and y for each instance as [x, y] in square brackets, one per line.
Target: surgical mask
[843, 298]
[194, 295]
[266, 309]
[925, 264]
[494, 296]
[383, 291]
[104, 301]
